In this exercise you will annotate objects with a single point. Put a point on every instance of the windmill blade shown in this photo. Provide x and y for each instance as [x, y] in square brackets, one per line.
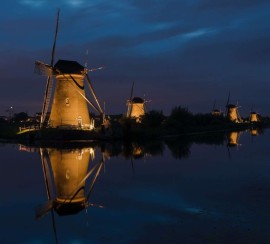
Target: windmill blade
[47, 99]
[43, 69]
[226, 106]
[94, 69]
[94, 93]
[77, 90]
[95, 178]
[238, 116]
[43, 209]
[46, 207]
[227, 103]
[46, 173]
[49, 70]
[55, 37]
[228, 100]
[131, 93]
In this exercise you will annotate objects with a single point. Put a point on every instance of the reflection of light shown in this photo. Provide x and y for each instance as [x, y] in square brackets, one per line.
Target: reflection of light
[80, 154]
[67, 174]
[95, 205]
[254, 132]
[92, 153]
[27, 149]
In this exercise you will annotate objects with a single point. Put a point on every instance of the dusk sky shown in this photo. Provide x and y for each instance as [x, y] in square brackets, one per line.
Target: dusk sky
[179, 53]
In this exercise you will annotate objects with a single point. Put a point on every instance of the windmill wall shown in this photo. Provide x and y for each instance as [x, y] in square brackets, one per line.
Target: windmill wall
[69, 107]
[135, 110]
[253, 117]
[233, 114]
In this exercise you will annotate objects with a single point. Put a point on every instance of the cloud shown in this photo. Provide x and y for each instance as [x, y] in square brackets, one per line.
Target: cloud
[33, 3]
[76, 3]
[229, 4]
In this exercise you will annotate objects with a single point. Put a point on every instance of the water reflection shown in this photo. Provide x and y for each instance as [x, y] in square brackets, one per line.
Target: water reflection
[66, 172]
[203, 192]
[67, 169]
[180, 146]
[256, 131]
[233, 139]
[135, 150]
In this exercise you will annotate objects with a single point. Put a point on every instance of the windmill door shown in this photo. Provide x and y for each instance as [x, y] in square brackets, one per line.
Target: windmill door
[80, 122]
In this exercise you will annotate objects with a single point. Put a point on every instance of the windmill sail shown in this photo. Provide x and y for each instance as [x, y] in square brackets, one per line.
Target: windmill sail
[49, 84]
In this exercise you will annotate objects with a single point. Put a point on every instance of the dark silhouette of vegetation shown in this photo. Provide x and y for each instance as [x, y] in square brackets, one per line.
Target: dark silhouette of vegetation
[153, 119]
[21, 117]
[154, 125]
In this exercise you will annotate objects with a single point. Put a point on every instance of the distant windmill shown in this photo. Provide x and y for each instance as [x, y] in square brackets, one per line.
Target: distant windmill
[232, 111]
[136, 106]
[215, 111]
[69, 106]
[254, 117]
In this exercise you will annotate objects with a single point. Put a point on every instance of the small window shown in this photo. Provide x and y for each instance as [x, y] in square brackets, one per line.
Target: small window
[67, 101]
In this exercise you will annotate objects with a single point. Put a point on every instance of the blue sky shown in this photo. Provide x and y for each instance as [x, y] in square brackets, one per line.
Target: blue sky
[179, 53]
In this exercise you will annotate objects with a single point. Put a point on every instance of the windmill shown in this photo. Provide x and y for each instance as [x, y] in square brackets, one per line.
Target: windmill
[136, 107]
[215, 111]
[70, 105]
[232, 111]
[253, 116]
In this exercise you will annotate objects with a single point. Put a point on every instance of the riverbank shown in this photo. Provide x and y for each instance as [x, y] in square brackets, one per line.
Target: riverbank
[128, 131]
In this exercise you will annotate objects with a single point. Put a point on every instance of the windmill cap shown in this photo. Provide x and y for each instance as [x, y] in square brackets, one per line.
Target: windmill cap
[231, 106]
[69, 67]
[137, 100]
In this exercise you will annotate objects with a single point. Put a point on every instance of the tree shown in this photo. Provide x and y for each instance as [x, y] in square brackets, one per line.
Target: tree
[19, 117]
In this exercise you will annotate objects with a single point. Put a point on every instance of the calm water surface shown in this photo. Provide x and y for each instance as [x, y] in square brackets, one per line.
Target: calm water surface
[187, 192]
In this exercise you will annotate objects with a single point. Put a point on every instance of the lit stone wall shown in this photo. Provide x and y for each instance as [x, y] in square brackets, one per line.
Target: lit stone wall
[253, 117]
[233, 115]
[135, 110]
[69, 108]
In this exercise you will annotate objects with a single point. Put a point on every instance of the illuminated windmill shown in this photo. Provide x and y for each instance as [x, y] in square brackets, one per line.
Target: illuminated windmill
[232, 112]
[254, 117]
[136, 107]
[69, 105]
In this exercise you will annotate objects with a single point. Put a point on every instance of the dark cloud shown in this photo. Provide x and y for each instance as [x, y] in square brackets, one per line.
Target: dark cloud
[236, 5]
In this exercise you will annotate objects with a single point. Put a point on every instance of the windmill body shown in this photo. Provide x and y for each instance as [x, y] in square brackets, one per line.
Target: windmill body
[233, 114]
[136, 108]
[254, 117]
[69, 106]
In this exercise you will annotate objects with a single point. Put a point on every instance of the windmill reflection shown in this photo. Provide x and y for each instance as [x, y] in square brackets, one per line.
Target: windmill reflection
[66, 172]
[255, 131]
[233, 139]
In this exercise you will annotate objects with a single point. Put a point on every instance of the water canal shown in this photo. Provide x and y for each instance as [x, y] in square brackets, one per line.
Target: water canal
[213, 190]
